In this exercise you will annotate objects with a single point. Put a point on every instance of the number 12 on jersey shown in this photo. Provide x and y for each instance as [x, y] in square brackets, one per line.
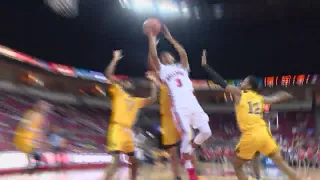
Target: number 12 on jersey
[254, 107]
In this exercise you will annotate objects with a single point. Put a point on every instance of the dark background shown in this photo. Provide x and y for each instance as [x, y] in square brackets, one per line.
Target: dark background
[258, 37]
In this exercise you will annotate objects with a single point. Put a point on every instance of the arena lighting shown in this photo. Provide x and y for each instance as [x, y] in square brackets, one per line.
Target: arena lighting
[164, 7]
[185, 10]
[143, 5]
[125, 4]
[168, 8]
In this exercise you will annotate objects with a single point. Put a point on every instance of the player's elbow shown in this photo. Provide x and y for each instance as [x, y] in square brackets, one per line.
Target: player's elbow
[107, 73]
[233, 90]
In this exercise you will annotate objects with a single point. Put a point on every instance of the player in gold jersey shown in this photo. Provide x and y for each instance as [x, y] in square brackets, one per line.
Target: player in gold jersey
[32, 130]
[169, 133]
[255, 134]
[124, 109]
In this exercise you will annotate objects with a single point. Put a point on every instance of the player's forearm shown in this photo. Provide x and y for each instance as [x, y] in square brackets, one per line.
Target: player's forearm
[214, 76]
[282, 96]
[151, 63]
[277, 97]
[153, 93]
[179, 48]
[109, 72]
[152, 49]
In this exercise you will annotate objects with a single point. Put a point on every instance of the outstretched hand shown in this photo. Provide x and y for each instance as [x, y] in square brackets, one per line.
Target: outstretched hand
[204, 57]
[152, 76]
[117, 54]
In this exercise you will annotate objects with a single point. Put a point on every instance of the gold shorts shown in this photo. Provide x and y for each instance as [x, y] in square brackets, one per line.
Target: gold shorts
[24, 144]
[119, 139]
[259, 140]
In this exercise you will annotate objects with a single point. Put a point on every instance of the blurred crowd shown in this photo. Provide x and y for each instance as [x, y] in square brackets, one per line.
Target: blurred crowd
[83, 129]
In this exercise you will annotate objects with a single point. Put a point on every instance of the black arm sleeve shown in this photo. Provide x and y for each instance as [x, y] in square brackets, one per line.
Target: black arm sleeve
[215, 77]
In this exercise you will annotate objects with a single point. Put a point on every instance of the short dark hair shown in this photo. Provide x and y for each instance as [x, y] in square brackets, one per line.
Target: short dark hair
[164, 52]
[253, 80]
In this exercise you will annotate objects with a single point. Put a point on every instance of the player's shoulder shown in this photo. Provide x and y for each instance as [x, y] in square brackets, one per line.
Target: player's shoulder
[114, 87]
[179, 65]
[249, 95]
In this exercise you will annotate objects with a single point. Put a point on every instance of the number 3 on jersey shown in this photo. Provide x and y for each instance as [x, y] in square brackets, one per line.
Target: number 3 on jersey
[178, 82]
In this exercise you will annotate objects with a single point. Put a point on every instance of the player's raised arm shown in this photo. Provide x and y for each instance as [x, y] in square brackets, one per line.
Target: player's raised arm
[216, 78]
[181, 51]
[109, 71]
[278, 97]
[153, 54]
[153, 65]
[153, 92]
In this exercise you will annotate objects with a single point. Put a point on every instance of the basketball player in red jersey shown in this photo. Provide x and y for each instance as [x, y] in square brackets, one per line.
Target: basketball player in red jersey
[170, 136]
[185, 108]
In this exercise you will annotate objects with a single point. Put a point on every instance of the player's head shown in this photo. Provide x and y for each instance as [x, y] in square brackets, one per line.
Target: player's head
[126, 85]
[250, 83]
[166, 57]
[43, 106]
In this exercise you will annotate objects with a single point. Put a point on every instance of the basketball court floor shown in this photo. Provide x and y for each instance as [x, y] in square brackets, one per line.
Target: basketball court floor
[161, 172]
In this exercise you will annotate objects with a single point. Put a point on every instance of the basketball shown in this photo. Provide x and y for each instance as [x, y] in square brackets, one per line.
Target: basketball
[152, 25]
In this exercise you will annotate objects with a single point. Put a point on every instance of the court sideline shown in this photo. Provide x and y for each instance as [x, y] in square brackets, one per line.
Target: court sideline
[148, 172]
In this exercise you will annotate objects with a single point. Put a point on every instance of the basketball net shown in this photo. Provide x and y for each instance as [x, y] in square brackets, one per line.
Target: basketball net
[65, 8]
[273, 121]
[272, 118]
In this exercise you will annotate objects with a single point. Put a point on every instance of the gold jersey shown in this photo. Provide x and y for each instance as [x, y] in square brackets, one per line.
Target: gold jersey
[30, 124]
[164, 100]
[249, 111]
[124, 108]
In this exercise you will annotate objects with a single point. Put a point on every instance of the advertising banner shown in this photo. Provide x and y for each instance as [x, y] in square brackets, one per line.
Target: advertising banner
[200, 84]
[98, 76]
[89, 158]
[21, 160]
[82, 73]
[27, 59]
[7, 52]
[92, 75]
[43, 64]
[6, 159]
[63, 69]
